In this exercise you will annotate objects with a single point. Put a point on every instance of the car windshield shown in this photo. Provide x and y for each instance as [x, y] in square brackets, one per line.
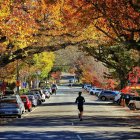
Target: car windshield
[99, 89]
[23, 99]
[30, 97]
[8, 101]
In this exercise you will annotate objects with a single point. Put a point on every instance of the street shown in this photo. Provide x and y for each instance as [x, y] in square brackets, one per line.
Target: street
[57, 119]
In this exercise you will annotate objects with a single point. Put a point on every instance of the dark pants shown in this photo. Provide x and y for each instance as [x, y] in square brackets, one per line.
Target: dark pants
[80, 107]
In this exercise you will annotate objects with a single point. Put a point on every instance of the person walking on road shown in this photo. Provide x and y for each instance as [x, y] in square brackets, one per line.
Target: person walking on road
[54, 88]
[80, 102]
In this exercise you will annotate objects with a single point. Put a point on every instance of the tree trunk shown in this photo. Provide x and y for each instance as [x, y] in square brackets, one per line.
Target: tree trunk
[123, 82]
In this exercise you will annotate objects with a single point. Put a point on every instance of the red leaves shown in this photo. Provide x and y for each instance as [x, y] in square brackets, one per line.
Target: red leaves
[134, 75]
[56, 75]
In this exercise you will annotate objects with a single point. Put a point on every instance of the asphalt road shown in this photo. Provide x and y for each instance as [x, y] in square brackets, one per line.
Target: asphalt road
[57, 119]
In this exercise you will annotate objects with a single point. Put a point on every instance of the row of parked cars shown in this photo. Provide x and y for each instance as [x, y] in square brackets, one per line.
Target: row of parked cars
[12, 104]
[132, 101]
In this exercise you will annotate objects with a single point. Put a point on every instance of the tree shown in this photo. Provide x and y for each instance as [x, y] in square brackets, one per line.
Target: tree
[30, 27]
[80, 63]
[119, 60]
[118, 22]
[43, 63]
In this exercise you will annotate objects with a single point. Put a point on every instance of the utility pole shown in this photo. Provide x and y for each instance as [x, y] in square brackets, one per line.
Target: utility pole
[17, 78]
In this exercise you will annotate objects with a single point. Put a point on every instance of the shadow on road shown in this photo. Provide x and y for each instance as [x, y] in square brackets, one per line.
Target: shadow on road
[49, 123]
[68, 135]
[72, 103]
[95, 121]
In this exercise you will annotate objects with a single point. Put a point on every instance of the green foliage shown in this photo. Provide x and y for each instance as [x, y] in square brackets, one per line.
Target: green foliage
[44, 63]
[117, 58]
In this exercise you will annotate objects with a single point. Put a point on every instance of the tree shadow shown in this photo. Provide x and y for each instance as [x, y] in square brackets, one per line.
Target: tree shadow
[89, 121]
[73, 103]
[68, 135]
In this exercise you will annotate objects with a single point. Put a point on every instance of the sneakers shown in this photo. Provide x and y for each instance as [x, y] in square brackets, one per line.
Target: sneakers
[79, 116]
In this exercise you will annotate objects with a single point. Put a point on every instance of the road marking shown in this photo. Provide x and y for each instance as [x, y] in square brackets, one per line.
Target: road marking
[79, 137]
[29, 112]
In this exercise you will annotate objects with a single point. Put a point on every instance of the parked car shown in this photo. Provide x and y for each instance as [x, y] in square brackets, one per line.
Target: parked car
[9, 92]
[95, 91]
[27, 102]
[86, 85]
[39, 91]
[47, 93]
[48, 89]
[33, 100]
[10, 107]
[107, 95]
[134, 103]
[36, 95]
[126, 96]
[18, 99]
[117, 98]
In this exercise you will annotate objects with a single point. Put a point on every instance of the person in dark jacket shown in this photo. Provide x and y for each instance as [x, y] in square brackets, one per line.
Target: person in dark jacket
[80, 102]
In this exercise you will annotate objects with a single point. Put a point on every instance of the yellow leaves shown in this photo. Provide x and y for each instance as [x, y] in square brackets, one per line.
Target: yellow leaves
[44, 62]
[44, 58]
[4, 9]
[55, 14]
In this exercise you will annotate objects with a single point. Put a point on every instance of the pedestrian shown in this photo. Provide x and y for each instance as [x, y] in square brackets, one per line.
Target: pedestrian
[54, 88]
[80, 102]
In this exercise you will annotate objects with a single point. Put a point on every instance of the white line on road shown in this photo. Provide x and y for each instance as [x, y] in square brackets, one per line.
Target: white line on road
[29, 112]
[78, 137]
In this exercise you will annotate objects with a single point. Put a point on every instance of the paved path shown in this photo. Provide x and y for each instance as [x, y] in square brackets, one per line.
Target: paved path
[57, 119]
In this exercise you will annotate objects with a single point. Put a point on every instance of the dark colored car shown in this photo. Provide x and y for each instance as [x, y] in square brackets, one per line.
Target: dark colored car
[127, 97]
[107, 95]
[27, 102]
[9, 92]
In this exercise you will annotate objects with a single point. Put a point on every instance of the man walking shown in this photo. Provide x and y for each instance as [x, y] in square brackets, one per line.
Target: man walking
[80, 101]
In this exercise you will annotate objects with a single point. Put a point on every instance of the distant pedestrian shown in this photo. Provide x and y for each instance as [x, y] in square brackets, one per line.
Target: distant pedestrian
[80, 102]
[54, 88]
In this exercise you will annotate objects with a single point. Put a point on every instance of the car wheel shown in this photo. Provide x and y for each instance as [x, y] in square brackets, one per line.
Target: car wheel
[29, 110]
[103, 98]
[91, 93]
[132, 106]
[19, 116]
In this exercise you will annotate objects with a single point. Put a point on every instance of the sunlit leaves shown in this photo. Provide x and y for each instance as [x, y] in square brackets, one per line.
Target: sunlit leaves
[44, 63]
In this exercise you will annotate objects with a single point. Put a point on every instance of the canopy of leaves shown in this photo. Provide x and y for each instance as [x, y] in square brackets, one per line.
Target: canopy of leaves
[34, 26]
[28, 27]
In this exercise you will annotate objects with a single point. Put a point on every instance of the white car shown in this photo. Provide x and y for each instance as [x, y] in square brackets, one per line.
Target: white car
[95, 91]
[117, 98]
[47, 93]
[87, 86]
[134, 103]
[40, 92]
